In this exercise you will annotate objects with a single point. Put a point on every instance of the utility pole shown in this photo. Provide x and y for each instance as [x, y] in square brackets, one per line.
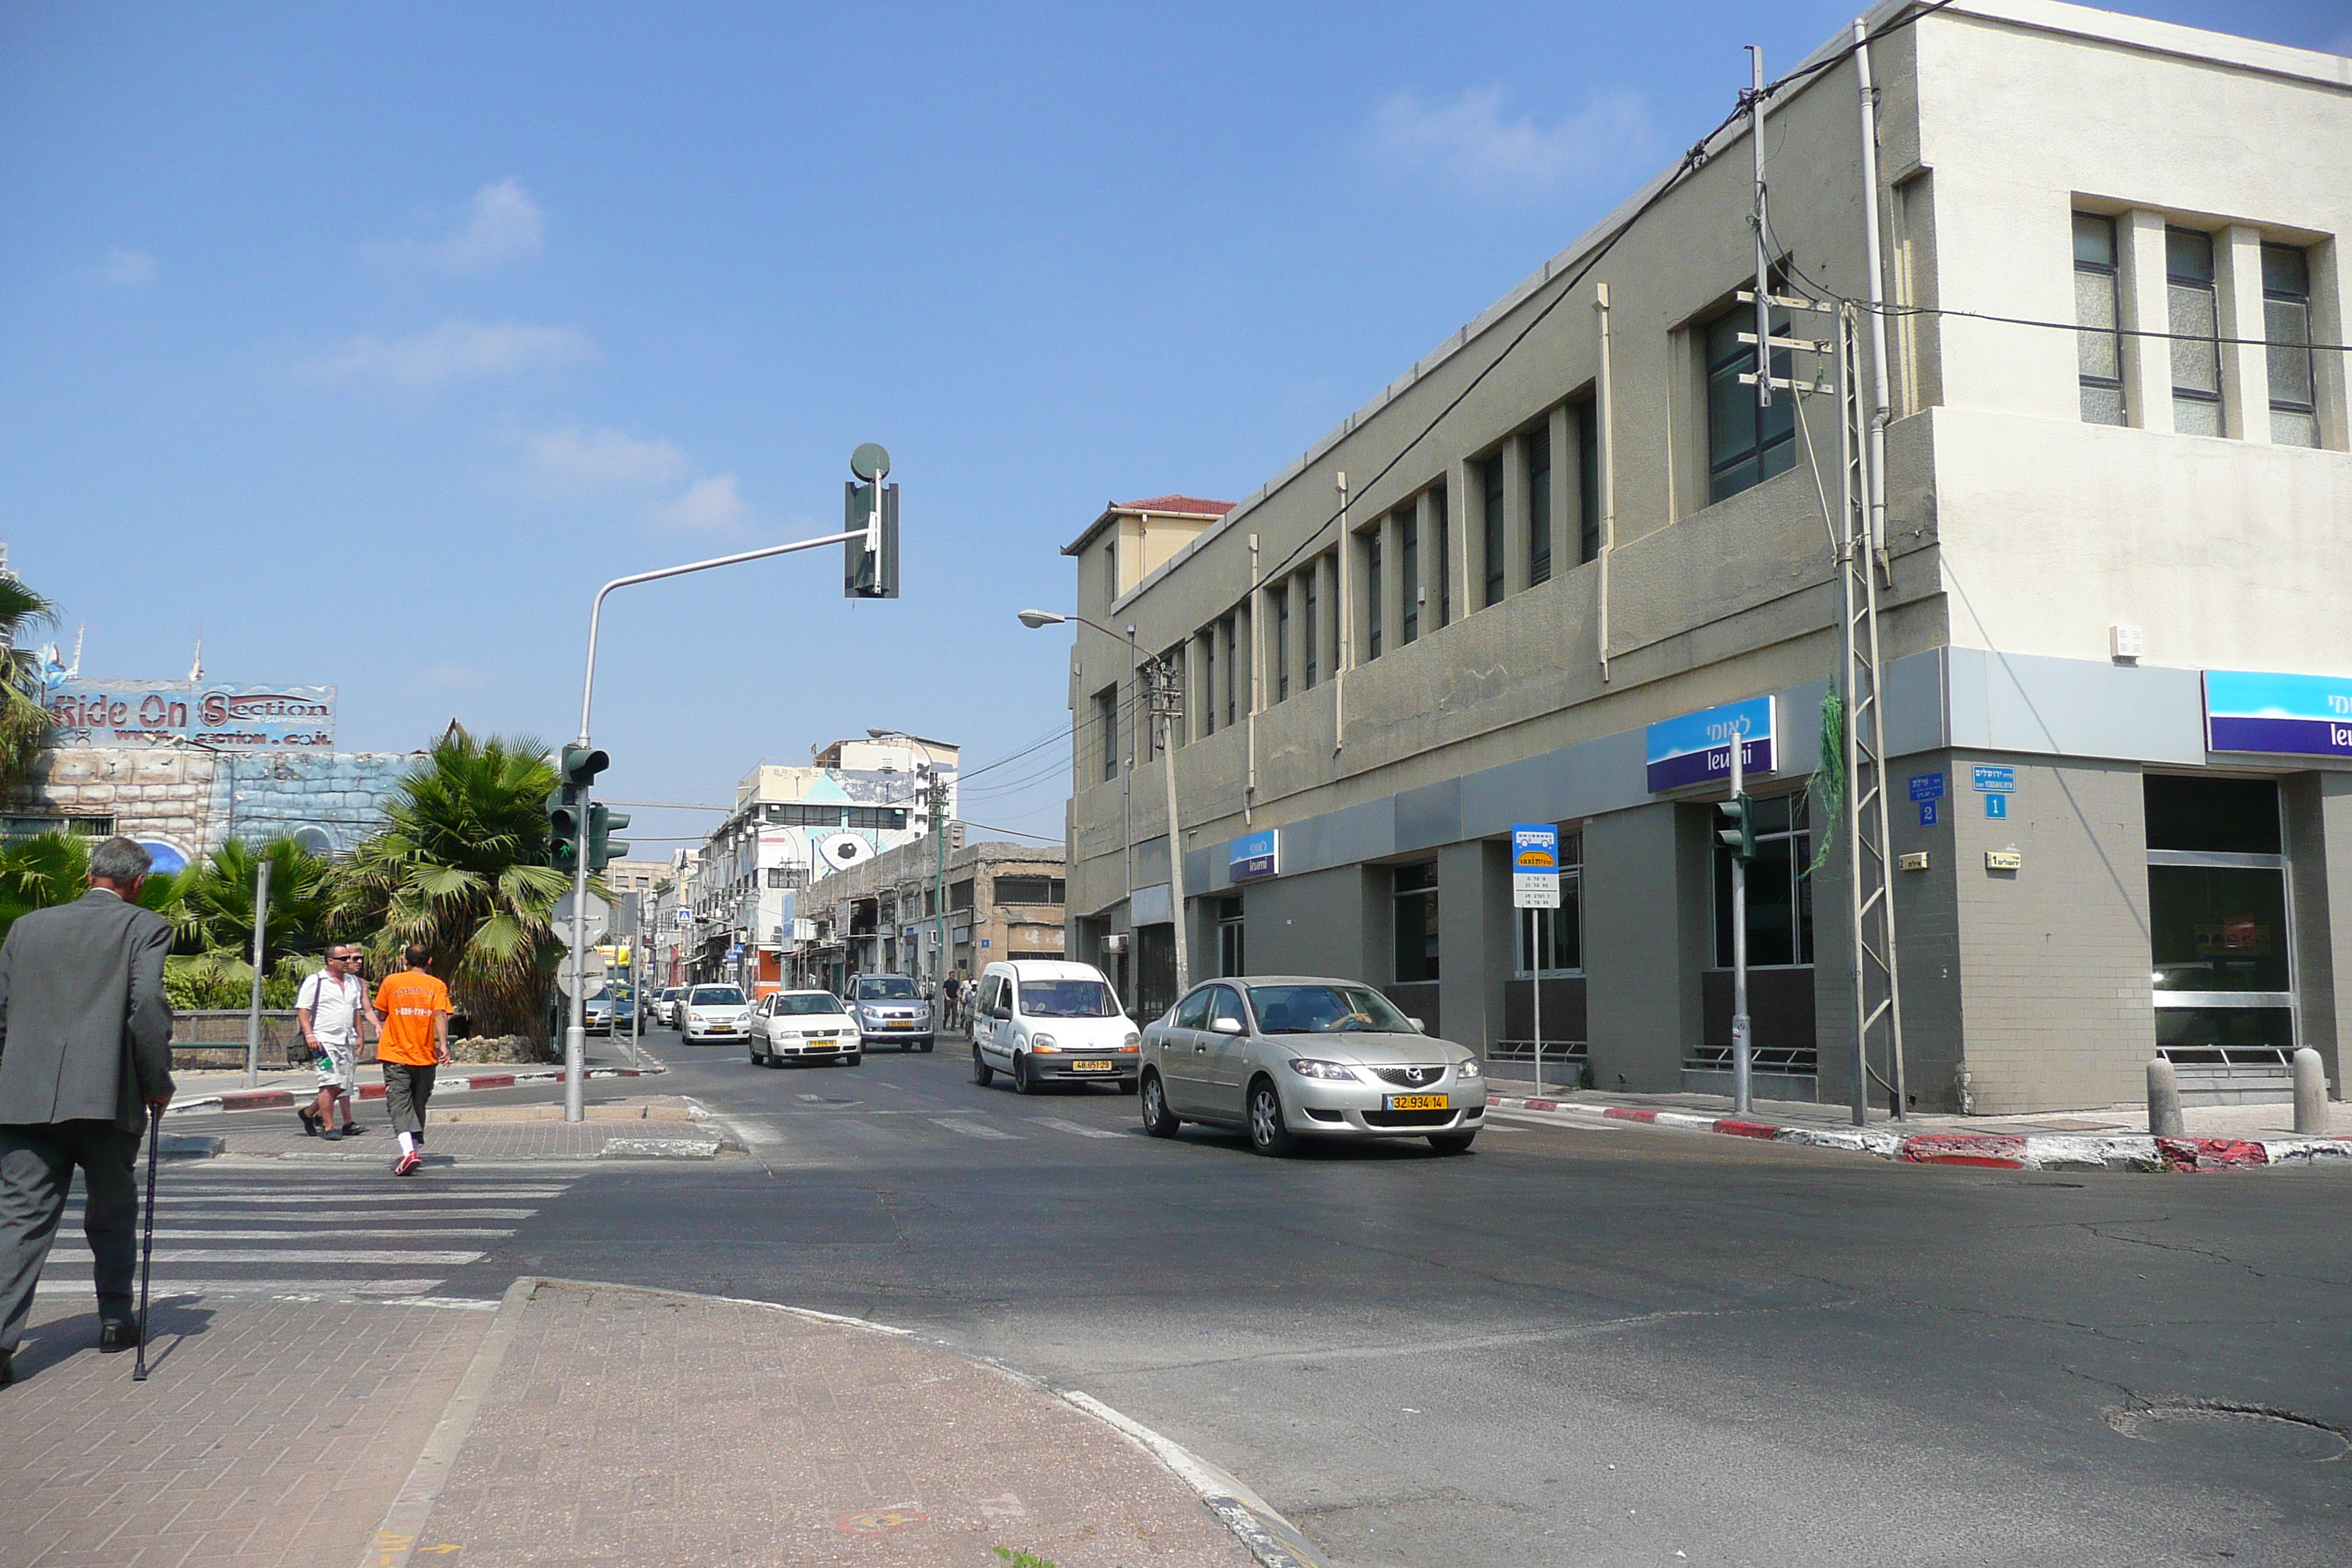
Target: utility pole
[936, 794]
[1167, 706]
[260, 935]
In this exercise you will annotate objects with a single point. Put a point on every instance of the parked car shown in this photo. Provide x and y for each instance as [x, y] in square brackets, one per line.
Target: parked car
[716, 1012]
[609, 1009]
[889, 1010]
[1049, 1021]
[666, 1005]
[802, 1026]
[1292, 1057]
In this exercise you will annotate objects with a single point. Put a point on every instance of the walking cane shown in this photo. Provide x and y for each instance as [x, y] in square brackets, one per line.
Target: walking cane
[147, 1242]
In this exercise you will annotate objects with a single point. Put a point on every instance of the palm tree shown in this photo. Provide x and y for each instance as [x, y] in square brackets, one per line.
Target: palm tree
[24, 721]
[462, 870]
[211, 908]
[54, 868]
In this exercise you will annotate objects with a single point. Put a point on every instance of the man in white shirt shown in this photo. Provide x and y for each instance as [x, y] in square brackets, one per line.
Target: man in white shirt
[330, 1009]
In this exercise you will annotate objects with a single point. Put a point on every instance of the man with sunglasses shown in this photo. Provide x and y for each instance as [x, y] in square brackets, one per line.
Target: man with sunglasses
[330, 1009]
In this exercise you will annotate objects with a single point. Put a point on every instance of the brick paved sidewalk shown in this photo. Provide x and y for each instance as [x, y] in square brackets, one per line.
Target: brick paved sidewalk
[641, 1126]
[271, 1433]
[623, 1426]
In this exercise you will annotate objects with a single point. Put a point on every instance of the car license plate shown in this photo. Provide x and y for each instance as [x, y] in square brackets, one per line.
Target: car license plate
[722, 1028]
[901, 1023]
[1418, 1103]
[825, 1046]
[1090, 1066]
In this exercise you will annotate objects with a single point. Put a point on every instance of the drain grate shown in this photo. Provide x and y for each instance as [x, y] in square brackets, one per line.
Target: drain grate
[2288, 1433]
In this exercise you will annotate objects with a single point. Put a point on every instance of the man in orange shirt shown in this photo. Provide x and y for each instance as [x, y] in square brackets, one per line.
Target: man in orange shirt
[415, 1042]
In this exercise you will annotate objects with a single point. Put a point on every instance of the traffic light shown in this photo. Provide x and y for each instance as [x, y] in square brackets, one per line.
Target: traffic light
[869, 573]
[602, 848]
[580, 766]
[563, 829]
[1741, 836]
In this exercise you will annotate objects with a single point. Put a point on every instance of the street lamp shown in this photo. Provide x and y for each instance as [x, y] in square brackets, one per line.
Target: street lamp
[1163, 692]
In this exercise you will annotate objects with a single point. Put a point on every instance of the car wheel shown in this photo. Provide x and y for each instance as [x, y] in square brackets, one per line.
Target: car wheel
[1451, 1142]
[853, 1061]
[1268, 1134]
[1158, 1120]
[926, 1047]
[1023, 1083]
[981, 1073]
[758, 1059]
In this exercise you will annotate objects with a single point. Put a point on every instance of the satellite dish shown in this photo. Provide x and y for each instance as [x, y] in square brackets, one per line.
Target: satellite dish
[844, 850]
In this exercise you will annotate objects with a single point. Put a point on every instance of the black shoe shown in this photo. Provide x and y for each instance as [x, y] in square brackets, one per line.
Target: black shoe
[353, 1129]
[8, 1368]
[118, 1334]
[311, 1122]
[331, 1136]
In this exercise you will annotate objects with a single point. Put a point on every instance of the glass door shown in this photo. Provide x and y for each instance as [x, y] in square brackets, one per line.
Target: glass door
[2223, 968]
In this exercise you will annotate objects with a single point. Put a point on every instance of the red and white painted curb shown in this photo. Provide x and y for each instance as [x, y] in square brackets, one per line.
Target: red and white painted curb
[279, 1099]
[2001, 1150]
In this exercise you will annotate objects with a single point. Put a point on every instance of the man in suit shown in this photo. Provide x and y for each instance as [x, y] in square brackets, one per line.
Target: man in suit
[85, 1048]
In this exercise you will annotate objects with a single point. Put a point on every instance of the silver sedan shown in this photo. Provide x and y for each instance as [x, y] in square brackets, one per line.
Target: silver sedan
[1292, 1057]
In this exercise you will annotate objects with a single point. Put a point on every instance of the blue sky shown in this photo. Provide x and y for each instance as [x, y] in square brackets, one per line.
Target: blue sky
[369, 340]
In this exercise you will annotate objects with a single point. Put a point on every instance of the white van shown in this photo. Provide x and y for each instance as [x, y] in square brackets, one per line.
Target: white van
[1046, 1020]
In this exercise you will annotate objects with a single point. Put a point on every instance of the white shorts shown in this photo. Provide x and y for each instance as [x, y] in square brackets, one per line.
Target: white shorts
[338, 1068]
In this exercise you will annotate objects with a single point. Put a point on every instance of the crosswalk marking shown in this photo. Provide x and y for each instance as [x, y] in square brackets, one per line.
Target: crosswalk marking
[973, 1129]
[297, 1255]
[282, 1235]
[339, 1216]
[1058, 1125]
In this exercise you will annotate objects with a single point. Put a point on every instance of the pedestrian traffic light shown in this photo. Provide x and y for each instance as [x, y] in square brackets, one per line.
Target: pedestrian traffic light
[602, 848]
[1741, 836]
[580, 766]
[563, 829]
[870, 562]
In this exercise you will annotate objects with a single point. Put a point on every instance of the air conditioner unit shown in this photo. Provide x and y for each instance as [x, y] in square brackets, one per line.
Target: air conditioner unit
[1114, 941]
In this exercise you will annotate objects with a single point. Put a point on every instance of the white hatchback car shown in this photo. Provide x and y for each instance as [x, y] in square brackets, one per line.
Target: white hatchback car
[1050, 1021]
[802, 1026]
[715, 1013]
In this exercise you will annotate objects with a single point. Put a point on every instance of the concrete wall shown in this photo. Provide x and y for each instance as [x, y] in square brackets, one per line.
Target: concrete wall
[195, 801]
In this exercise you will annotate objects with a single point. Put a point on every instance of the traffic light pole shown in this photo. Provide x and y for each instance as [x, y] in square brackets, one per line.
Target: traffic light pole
[1743, 1087]
[575, 1032]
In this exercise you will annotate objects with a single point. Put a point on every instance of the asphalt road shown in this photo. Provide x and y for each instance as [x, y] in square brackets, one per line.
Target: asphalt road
[1584, 1345]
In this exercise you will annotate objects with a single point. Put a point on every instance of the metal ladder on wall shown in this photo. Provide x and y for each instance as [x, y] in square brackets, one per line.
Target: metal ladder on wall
[1861, 561]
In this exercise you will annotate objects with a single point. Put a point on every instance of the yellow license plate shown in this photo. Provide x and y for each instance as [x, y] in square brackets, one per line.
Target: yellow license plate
[1418, 1103]
[1090, 1066]
[902, 1024]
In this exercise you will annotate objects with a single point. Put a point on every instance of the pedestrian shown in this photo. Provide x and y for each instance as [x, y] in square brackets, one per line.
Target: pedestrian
[949, 992]
[85, 1050]
[328, 1010]
[413, 1006]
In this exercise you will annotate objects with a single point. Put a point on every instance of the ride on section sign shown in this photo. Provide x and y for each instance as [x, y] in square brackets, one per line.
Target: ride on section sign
[1696, 747]
[1535, 866]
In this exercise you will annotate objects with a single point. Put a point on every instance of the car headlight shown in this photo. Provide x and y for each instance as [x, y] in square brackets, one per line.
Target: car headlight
[1042, 1043]
[1307, 1066]
[1468, 1067]
[1134, 1041]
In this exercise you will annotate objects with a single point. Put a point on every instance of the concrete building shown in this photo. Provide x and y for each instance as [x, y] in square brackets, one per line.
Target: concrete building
[791, 824]
[1003, 901]
[2117, 685]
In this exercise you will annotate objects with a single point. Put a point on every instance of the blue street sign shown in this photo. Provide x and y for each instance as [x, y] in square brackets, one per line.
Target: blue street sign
[1996, 804]
[1696, 747]
[1986, 776]
[1927, 813]
[1927, 786]
[1535, 866]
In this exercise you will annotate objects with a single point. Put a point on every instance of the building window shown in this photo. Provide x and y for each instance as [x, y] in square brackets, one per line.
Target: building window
[1408, 575]
[1311, 577]
[1490, 483]
[788, 879]
[1442, 553]
[959, 897]
[2287, 324]
[1372, 596]
[1230, 951]
[1282, 643]
[2098, 310]
[1561, 929]
[1106, 726]
[1232, 656]
[1208, 681]
[2224, 974]
[1588, 479]
[1029, 889]
[1780, 892]
[1415, 895]
[2193, 313]
[1538, 445]
[1746, 443]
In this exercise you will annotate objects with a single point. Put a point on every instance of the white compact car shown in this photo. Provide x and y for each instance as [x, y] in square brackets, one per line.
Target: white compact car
[802, 1026]
[715, 1013]
[1049, 1021]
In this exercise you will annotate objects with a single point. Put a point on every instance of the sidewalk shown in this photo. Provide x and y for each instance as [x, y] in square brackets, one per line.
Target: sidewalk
[640, 1127]
[198, 1092]
[2219, 1137]
[577, 1424]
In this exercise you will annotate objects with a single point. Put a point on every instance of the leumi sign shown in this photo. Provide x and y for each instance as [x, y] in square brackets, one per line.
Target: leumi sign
[156, 713]
[1696, 748]
[2300, 715]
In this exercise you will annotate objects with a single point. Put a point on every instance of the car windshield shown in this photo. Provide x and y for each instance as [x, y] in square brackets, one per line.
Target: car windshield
[715, 996]
[813, 1002]
[1325, 1010]
[887, 988]
[1067, 999]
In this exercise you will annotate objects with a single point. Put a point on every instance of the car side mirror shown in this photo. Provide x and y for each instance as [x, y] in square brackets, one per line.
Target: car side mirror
[1418, 1026]
[1224, 1026]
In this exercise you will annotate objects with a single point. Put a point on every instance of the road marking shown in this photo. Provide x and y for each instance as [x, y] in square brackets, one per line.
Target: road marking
[165, 1289]
[1058, 1125]
[440, 1195]
[344, 1216]
[277, 1255]
[973, 1129]
[292, 1235]
[754, 1134]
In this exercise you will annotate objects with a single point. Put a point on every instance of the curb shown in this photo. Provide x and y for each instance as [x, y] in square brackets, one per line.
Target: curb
[279, 1099]
[1996, 1150]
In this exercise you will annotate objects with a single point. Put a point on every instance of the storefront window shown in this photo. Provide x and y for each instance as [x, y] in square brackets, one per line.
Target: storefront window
[1230, 953]
[2221, 968]
[1780, 892]
[1560, 929]
[1415, 888]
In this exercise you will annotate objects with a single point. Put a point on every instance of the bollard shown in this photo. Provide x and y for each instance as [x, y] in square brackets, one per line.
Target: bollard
[2163, 1101]
[2310, 1092]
